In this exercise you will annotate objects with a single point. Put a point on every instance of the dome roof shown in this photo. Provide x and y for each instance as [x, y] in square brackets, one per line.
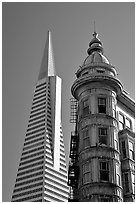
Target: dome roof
[96, 57]
[95, 52]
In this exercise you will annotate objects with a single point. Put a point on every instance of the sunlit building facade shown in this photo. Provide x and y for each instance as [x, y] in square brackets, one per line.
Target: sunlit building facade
[42, 173]
[102, 158]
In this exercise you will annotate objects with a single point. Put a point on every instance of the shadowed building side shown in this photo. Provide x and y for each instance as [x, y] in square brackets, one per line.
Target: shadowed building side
[42, 173]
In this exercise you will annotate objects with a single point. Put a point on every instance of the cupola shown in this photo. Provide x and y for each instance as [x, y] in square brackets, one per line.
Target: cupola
[95, 52]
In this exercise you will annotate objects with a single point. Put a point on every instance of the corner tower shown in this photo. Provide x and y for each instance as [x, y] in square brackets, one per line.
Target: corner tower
[97, 168]
[42, 173]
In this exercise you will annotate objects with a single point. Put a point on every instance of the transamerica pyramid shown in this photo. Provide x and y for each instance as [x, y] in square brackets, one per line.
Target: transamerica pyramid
[42, 172]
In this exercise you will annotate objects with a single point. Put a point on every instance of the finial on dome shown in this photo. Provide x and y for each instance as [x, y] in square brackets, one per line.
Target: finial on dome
[95, 44]
[95, 35]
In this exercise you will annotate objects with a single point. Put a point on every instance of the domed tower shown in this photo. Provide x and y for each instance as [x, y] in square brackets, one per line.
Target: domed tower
[95, 168]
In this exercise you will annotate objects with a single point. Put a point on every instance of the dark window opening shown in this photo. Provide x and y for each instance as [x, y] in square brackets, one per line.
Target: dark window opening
[102, 105]
[103, 136]
[104, 171]
[85, 107]
[121, 121]
[86, 140]
[131, 151]
[100, 71]
[124, 154]
[126, 181]
[128, 123]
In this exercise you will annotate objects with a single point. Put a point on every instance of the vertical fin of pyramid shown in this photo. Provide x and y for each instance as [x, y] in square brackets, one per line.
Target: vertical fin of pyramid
[47, 65]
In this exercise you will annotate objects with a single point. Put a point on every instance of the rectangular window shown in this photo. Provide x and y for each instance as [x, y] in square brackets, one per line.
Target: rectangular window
[124, 154]
[114, 108]
[133, 183]
[115, 141]
[121, 121]
[126, 182]
[128, 123]
[131, 151]
[85, 107]
[118, 179]
[102, 105]
[100, 71]
[103, 136]
[104, 171]
[86, 173]
[86, 139]
[117, 175]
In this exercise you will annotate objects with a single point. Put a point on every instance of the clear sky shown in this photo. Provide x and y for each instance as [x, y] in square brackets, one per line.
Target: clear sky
[24, 31]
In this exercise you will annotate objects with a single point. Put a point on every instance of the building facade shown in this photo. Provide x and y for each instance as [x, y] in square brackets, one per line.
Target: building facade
[42, 173]
[102, 161]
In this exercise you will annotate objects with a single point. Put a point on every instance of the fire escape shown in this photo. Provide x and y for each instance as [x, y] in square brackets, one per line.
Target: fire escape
[73, 171]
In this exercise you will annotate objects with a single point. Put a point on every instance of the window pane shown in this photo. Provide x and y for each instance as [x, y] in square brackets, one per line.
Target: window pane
[103, 136]
[121, 126]
[114, 113]
[124, 154]
[128, 123]
[104, 171]
[126, 182]
[104, 165]
[118, 179]
[123, 144]
[102, 131]
[131, 155]
[102, 105]
[101, 101]
[86, 173]
[131, 151]
[131, 145]
[85, 103]
[86, 178]
[103, 140]
[116, 144]
[86, 167]
[121, 118]
[86, 111]
[133, 183]
[86, 142]
[133, 178]
[104, 175]
[85, 133]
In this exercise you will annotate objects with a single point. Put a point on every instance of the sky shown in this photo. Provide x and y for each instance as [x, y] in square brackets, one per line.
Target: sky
[24, 32]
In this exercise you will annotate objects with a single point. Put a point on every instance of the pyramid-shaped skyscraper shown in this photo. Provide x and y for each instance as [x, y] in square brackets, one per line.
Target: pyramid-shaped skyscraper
[42, 172]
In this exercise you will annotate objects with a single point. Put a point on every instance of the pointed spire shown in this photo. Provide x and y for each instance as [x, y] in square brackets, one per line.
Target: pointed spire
[47, 66]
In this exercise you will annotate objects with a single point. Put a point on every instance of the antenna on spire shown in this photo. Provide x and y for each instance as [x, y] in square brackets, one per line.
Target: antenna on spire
[94, 27]
[95, 33]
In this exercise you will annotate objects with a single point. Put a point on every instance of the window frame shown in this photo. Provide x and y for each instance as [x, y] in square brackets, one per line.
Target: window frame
[121, 122]
[116, 143]
[100, 135]
[103, 171]
[85, 108]
[133, 182]
[130, 123]
[86, 138]
[131, 151]
[126, 182]
[114, 112]
[86, 173]
[124, 124]
[102, 107]
[124, 149]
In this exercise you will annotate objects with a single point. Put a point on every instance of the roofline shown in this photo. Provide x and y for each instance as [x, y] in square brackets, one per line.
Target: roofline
[128, 102]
